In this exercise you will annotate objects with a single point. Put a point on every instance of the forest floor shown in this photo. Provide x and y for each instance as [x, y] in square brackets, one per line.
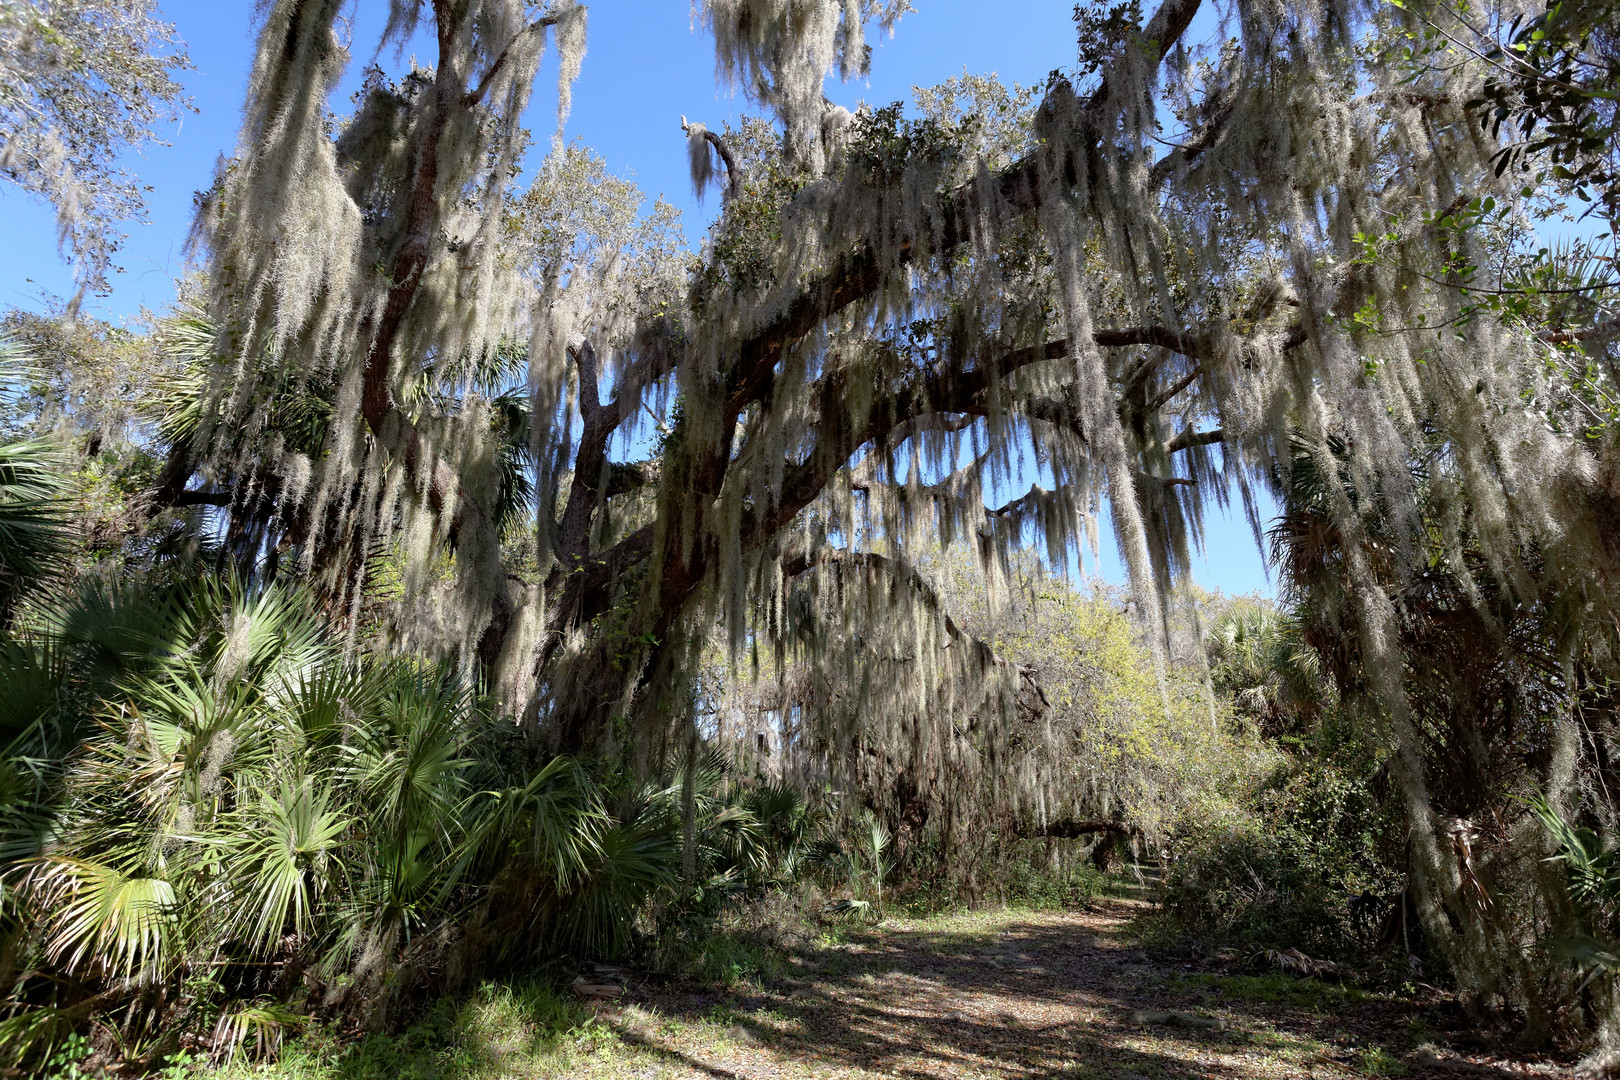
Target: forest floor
[999, 994]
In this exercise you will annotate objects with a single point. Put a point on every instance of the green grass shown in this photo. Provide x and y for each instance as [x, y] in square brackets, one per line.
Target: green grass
[1376, 1061]
[734, 964]
[525, 1031]
[1272, 989]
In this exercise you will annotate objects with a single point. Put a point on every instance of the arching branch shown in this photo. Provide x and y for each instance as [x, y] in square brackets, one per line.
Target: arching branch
[1175, 388]
[858, 276]
[733, 178]
[476, 95]
[904, 575]
[1070, 829]
[1032, 497]
[201, 498]
[1188, 439]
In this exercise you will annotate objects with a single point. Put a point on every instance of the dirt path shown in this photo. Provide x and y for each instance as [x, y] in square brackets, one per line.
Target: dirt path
[1018, 994]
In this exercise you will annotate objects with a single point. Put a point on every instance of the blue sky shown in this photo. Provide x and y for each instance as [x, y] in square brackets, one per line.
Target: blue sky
[646, 64]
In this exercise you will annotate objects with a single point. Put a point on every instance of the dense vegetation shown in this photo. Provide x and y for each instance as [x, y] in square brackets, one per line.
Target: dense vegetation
[357, 648]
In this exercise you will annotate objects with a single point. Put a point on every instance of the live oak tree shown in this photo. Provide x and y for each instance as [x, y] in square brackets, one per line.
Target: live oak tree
[1183, 272]
[80, 82]
[1101, 752]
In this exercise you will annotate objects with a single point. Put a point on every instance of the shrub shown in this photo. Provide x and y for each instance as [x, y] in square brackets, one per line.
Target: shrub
[216, 812]
[1060, 888]
[1283, 872]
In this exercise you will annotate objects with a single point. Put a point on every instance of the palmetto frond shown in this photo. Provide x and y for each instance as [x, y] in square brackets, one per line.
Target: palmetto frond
[629, 863]
[264, 1023]
[103, 919]
[240, 792]
[34, 513]
[1592, 869]
[285, 854]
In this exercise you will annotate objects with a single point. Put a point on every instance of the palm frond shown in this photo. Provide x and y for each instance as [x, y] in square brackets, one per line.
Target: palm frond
[1593, 870]
[286, 858]
[100, 918]
[34, 518]
[266, 1023]
[631, 861]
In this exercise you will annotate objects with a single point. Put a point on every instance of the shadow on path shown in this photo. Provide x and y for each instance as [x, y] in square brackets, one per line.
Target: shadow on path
[1020, 994]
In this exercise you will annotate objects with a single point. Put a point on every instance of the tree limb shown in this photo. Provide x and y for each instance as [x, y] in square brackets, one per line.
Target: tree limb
[733, 179]
[476, 95]
[904, 574]
[200, 498]
[1569, 337]
[1070, 829]
[858, 276]
[1159, 402]
[1188, 439]
[1034, 494]
[625, 477]
[446, 494]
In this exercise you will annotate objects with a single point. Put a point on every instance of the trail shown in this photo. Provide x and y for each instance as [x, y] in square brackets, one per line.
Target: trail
[1021, 994]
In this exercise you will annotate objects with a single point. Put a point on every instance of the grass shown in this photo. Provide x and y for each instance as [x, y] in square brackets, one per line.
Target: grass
[1271, 989]
[731, 964]
[1376, 1061]
[529, 1031]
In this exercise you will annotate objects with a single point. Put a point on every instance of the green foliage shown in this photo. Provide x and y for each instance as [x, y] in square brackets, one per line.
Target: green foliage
[1274, 988]
[1592, 868]
[1283, 873]
[1592, 878]
[1063, 888]
[1551, 83]
[1103, 31]
[34, 511]
[1377, 1061]
[1259, 660]
[85, 82]
[752, 839]
[62, 1063]
[34, 538]
[856, 857]
[210, 786]
[497, 1027]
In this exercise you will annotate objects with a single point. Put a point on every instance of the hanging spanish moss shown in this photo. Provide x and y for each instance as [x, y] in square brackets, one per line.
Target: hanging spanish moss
[894, 323]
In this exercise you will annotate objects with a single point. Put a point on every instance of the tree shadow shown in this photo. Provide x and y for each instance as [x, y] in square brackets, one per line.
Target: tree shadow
[1046, 996]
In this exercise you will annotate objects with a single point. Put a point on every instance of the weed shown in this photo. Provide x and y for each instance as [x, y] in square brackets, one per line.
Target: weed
[1376, 1061]
[63, 1061]
[1272, 989]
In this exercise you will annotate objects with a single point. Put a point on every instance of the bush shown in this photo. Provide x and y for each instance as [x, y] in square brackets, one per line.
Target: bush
[1052, 888]
[214, 811]
[1021, 873]
[1283, 872]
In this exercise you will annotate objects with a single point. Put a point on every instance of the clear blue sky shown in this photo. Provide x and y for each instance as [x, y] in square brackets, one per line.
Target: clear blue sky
[645, 65]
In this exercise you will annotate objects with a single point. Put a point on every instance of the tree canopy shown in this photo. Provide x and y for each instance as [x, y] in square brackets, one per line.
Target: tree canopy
[81, 81]
[1295, 260]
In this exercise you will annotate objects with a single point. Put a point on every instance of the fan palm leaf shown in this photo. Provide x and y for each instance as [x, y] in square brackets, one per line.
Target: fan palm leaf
[630, 862]
[34, 518]
[121, 923]
[285, 856]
